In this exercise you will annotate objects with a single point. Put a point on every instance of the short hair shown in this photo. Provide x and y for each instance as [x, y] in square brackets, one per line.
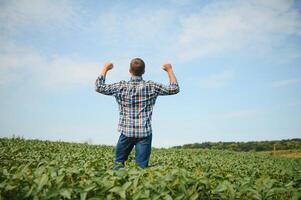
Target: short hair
[137, 66]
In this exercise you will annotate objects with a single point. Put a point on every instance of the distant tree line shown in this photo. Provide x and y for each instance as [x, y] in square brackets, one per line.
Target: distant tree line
[247, 146]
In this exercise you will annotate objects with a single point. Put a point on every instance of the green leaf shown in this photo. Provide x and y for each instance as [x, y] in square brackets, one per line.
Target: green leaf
[126, 186]
[10, 187]
[83, 195]
[296, 196]
[66, 193]
[194, 196]
[29, 191]
[220, 188]
[167, 197]
[89, 188]
[42, 181]
[118, 190]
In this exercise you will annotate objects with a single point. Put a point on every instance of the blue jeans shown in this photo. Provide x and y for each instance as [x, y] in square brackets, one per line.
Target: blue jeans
[125, 145]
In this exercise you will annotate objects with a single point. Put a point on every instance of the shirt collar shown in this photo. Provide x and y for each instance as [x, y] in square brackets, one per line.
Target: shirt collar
[136, 78]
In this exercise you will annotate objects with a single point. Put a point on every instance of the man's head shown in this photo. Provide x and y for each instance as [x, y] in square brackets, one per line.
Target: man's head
[137, 67]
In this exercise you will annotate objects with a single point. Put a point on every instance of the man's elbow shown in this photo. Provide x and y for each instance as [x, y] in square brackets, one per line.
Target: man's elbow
[104, 91]
[177, 90]
[174, 90]
[99, 90]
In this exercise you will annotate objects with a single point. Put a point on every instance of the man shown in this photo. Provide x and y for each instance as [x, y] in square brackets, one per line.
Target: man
[135, 99]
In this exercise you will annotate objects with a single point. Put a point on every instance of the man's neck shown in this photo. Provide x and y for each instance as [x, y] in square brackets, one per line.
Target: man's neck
[133, 77]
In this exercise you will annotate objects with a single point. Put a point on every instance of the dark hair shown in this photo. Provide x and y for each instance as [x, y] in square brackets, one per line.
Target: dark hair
[137, 67]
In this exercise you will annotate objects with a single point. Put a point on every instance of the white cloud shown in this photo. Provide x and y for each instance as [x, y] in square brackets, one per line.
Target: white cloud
[162, 35]
[225, 26]
[67, 72]
[21, 63]
[217, 80]
[215, 28]
[26, 64]
[287, 82]
[17, 16]
[133, 27]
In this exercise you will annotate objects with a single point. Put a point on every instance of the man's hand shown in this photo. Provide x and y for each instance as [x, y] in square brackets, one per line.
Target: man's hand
[167, 67]
[107, 67]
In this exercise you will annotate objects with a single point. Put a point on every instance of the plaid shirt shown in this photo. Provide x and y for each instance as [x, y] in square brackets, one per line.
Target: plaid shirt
[136, 99]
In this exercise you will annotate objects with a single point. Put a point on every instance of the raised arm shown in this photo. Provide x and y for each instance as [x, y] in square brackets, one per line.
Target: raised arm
[107, 67]
[171, 74]
[100, 86]
[173, 87]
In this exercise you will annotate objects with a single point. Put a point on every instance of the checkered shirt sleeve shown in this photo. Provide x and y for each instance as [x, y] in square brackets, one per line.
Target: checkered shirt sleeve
[136, 100]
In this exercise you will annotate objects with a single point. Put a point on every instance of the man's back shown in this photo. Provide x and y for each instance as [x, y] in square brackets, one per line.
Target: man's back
[136, 99]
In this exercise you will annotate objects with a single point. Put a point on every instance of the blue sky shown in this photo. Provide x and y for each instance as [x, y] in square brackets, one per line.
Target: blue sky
[238, 64]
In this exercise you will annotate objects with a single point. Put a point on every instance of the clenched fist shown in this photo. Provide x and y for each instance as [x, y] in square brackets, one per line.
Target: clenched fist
[108, 66]
[167, 67]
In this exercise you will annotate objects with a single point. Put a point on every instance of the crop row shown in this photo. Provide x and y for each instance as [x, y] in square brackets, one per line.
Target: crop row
[32, 169]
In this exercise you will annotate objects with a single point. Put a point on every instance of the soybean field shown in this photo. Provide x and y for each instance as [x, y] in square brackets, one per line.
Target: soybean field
[33, 169]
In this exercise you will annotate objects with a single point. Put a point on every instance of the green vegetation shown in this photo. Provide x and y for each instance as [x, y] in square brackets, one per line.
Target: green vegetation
[247, 146]
[32, 169]
[284, 153]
